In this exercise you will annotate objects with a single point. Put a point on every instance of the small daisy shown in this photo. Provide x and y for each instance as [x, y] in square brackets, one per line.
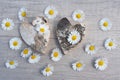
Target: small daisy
[51, 12]
[78, 66]
[11, 64]
[105, 24]
[78, 15]
[26, 52]
[22, 14]
[110, 44]
[90, 49]
[74, 37]
[56, 54]
[15, 43]
[34, 58]
[42, 29]
[48, 70]
[7, 24]
[101, 64]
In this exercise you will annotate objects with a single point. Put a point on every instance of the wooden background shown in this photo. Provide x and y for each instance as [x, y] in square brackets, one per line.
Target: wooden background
[94, 10]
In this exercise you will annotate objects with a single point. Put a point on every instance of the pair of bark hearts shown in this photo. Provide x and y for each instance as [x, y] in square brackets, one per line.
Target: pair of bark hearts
[39, 42]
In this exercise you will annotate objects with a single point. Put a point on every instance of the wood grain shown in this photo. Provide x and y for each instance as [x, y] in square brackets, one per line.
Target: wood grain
[94, 10]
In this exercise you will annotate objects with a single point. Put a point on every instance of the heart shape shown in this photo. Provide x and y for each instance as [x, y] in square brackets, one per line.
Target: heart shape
[38, 42]
[65, 34]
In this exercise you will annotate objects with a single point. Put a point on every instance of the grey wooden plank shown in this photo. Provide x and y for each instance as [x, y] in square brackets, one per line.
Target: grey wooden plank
[95, 10]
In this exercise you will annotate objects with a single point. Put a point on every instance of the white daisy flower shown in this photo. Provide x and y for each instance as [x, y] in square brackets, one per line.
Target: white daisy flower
[15, 43]
[56, 54]
[11, 64]
[7, 24]
[74, 37]
[42, 29]
[26, 52]
[105, 24]
[101, 64]
[22, 14]
[90, 49]
[34, 58]
[110, 44]
[78, 66]
[78, 15]
[48, 70]
[51, 12]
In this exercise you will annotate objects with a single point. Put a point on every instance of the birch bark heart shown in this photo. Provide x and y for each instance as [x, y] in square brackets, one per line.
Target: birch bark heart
[64, 28]
[32, 38]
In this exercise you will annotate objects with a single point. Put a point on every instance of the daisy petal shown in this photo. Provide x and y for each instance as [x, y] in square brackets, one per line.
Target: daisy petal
[7, 24]
[105, 24]
[56, 54]
[78, 66]
[101, 64]
[15, 43]
[51, 12]
[48, 70]
[78, 15]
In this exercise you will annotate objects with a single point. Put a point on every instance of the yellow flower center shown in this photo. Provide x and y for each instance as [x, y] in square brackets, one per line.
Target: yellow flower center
[42, 30]
[23, 14]
[48, 69]
[101, 63]
[78, 16]
[55, 54]
[92, 47]
[105, 24]
[111, 43]
[79, 65]
[33, 56]
[11, 62]
[7, 24]
[25, 51]
[15, 43]
[74, 37]
[51, 12]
